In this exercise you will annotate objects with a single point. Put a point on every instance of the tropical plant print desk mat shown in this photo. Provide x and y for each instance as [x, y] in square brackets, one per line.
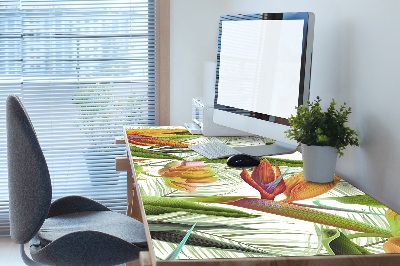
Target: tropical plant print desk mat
[263, 211]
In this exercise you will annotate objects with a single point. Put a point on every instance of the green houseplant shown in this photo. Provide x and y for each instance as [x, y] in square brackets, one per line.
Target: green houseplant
[323, 135]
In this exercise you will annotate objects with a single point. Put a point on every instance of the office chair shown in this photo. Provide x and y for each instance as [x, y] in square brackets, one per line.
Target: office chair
[70, 231]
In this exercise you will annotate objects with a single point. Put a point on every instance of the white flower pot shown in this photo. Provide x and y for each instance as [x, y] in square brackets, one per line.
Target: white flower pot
[319, 163]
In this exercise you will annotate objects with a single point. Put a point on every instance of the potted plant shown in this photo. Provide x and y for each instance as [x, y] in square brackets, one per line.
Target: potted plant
[323, 136]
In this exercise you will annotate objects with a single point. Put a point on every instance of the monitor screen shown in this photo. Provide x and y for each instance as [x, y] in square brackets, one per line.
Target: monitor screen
[263, 71]
[260, 63]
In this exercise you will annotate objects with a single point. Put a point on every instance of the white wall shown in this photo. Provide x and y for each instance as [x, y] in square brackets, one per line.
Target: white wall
[356, 60]
[194, 41]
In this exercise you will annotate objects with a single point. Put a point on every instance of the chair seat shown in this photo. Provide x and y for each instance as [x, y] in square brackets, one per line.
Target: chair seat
[108, 222]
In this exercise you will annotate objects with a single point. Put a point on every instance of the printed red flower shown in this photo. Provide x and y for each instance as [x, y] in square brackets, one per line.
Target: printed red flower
[262, 179]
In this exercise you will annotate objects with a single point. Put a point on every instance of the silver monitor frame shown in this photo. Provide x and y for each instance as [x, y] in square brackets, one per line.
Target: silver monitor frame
[264, 124]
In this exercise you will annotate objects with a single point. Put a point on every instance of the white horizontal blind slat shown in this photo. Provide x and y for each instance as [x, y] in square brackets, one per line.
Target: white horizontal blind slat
[83, 69]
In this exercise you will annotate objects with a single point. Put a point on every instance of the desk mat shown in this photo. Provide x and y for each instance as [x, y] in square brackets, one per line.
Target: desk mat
[264, 211]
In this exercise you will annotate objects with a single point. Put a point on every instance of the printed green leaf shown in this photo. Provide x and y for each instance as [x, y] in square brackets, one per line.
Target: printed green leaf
[143, 153]
[359, 199]
[183, 136]
[138, 168]
[283, 162]
[160, 205]
[307, 214]
[318, 204]
[204, 159]
[336, 243]
[169, 226]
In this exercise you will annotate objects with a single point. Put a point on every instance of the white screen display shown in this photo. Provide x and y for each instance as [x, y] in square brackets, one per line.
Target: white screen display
[260, 63]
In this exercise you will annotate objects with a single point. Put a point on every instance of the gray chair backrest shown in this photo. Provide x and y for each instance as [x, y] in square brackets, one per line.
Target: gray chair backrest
[29, 183]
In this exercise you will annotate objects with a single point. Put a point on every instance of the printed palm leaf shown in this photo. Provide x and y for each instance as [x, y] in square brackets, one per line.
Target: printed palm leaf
[344, 189]
[243, 141]
[368, 239]
[216, 199]
[154, 186]
[174, 226]
[179, 151]
[174, 254]
[204, 159]
[146, 153]
[198, 252]
[319, 205]
[175, 236]
[271, 231]
[284, 162]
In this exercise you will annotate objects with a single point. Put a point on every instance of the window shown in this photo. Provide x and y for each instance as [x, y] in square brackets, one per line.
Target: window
[83, 69]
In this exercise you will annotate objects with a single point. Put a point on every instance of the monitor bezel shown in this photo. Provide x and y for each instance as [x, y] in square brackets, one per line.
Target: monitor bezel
[305, 69]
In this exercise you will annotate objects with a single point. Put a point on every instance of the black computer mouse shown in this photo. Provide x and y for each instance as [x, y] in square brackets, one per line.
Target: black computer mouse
[242, 160]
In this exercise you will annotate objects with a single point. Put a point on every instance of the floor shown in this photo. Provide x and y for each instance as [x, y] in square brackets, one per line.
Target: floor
[9, 253]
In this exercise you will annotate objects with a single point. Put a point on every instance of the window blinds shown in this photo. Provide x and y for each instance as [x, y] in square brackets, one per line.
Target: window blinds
[83, 69]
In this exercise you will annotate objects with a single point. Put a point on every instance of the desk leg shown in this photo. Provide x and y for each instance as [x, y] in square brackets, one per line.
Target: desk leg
[129, 192]
[133, 199]
[144, 260]
[134, 212]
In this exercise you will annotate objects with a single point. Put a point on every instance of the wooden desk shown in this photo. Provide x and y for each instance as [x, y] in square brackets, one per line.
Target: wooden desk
[237, 227]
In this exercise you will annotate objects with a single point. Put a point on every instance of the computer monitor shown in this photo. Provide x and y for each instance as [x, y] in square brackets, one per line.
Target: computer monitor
[263, 73]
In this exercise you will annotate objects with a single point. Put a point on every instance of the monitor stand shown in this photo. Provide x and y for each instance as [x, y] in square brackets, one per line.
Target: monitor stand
[276, 148]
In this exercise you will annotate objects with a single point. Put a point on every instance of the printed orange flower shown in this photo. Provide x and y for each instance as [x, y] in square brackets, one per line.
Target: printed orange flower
[298, 189]
[140, 160]
[265, 180]
[155, 132]
[184, 176]
[155, 136]
[294, 188]
[393, 243]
